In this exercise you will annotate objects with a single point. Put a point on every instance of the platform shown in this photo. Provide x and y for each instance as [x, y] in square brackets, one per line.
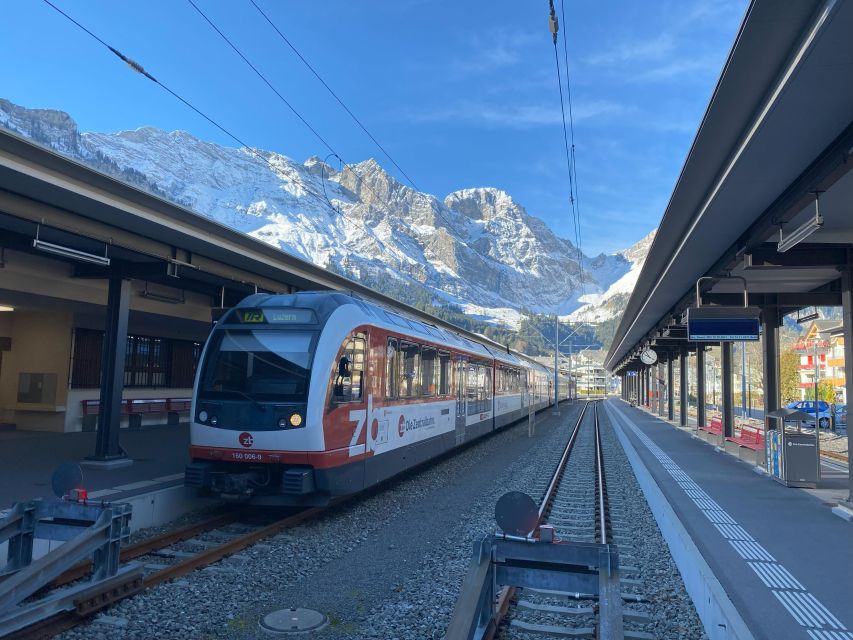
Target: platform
[28, 459]
[779, 554]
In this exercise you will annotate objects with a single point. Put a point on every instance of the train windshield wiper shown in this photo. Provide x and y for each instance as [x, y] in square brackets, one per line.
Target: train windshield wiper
[251, 399]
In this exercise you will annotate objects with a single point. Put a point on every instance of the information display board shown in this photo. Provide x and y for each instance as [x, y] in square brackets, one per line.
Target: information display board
[722, 324]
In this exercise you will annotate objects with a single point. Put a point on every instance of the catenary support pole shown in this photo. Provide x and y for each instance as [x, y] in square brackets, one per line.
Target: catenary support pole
[728, 391]
[700, 386]
[670, 387]
[112, 368]
[556, 410]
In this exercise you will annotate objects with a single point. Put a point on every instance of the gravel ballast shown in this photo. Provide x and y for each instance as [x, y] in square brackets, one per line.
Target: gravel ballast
[388, 564]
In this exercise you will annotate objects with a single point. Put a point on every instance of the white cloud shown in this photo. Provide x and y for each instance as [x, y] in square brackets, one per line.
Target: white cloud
[519, 116]
[493, 50]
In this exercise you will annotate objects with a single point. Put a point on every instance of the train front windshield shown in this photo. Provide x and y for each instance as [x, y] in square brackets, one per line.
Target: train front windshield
[259, 365]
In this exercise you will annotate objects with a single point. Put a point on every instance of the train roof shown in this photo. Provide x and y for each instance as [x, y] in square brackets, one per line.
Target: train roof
[324, 303]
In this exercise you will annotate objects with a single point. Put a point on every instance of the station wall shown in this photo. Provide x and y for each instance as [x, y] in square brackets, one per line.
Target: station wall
[37, 340]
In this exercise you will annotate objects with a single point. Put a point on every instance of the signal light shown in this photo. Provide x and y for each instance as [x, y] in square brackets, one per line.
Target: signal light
[295, 420]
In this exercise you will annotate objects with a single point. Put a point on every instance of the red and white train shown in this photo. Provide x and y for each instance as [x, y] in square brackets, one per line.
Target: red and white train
[300, 398]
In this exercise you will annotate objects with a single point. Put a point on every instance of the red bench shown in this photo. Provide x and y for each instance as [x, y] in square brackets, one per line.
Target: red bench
[750, 437]
[715, 426]
[135, 408]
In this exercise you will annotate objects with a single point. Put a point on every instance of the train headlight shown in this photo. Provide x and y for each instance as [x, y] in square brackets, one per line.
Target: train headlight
[214, 421]
[282, 423]
[202, 416]
[295, 420]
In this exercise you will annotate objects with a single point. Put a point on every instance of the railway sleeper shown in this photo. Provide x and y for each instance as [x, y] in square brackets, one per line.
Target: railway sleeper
[554, 630]
[550, 608]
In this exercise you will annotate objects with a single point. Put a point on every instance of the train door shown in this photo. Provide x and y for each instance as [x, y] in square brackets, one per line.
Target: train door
[461, 408]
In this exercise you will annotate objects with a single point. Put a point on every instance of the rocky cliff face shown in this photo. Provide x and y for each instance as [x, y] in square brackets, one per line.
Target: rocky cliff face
[476, 247]
[598, 307]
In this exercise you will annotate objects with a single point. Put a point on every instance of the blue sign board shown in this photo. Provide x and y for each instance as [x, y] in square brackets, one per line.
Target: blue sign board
[722, 329]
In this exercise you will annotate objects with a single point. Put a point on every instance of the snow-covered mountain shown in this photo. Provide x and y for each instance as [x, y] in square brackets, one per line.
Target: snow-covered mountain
[603, 306]
[476, 248]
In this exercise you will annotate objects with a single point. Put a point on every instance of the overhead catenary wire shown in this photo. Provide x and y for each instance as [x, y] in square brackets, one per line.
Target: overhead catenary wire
[553, 23]
[334, 94]
[138, 68]
[333, 152]
[575, 198]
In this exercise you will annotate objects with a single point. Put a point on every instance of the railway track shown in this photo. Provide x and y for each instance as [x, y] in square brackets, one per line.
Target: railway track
[577, 503]
[162, 558]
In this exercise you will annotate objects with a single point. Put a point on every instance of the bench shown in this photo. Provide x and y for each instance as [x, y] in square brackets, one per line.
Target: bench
[715, 426]
[750, 437]
[135, 408]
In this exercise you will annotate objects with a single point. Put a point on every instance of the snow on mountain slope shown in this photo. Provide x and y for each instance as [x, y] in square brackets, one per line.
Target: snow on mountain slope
[603, 306]
[476, 247]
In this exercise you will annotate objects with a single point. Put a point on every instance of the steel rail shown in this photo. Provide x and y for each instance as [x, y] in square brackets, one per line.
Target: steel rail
[551, 491]
[507, 593]
[155, 543]
[99, 599]
[603, 529]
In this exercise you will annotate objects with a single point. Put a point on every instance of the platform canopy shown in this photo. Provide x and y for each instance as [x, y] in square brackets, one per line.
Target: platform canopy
[777, 134]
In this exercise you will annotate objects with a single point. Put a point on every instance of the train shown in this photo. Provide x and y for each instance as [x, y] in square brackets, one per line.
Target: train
[306, 397]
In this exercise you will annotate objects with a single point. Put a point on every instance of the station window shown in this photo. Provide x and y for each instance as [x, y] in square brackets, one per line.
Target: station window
[145, 362]
[149, 361]
[86, 369]
[348, 376]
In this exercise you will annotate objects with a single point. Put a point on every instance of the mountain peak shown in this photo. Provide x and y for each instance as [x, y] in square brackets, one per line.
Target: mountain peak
[484, 203]
[477, 247]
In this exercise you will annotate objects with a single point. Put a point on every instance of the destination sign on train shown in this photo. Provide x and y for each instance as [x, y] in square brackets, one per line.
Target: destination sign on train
[721, 324]
[276, 316]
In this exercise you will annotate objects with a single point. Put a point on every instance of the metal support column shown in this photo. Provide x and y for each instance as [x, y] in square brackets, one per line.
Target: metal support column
[683, 388]
[670, 396]
[847, 319]
[659, 387]
[700, 386]
[728, 390]
[770, 357]
[112, 369]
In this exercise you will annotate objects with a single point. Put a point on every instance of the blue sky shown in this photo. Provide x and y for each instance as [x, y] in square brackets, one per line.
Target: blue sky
[462, 94]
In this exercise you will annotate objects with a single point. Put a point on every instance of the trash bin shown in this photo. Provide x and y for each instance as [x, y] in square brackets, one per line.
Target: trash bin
[791, 456]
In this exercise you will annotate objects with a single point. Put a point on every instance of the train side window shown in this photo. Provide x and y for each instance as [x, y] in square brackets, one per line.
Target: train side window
[348, 377]
[471, 389]
[391, 377]
[428, 368]
[443, 373]
[408, 359]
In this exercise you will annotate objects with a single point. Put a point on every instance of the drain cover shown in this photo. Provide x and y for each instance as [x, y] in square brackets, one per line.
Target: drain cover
[287, 621]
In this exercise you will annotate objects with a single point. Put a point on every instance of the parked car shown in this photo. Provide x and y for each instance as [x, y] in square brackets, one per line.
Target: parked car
[824, 415]
[841, 416]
